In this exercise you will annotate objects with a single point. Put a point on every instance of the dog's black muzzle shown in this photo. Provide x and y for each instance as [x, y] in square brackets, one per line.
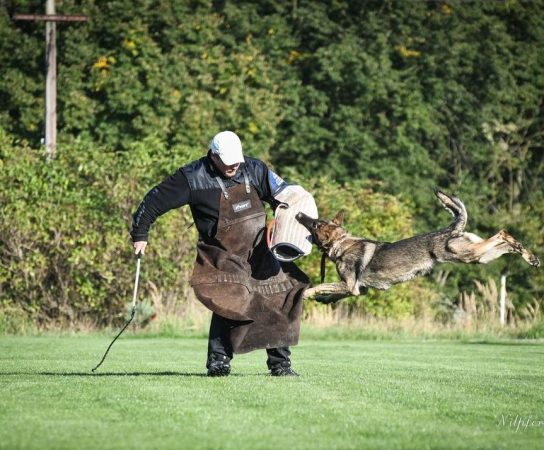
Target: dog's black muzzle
[305, 220]
[308, 223]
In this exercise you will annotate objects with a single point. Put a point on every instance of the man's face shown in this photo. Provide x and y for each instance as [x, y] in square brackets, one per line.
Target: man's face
[226, 171]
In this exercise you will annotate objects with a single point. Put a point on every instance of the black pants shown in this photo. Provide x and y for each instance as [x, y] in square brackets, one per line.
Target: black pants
[219, 344]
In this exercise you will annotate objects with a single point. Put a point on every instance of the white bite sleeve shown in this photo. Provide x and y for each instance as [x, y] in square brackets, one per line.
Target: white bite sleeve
[290, 240]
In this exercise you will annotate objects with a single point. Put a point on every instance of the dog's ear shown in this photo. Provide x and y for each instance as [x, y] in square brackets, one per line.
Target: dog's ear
[339, 219]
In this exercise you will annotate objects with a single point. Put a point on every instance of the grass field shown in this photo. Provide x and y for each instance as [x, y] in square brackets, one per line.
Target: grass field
[151, 393]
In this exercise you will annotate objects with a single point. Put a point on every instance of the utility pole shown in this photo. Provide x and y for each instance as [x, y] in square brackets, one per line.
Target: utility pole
[50, 19]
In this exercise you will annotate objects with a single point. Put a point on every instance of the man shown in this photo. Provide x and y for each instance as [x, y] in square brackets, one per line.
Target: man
[256, 301]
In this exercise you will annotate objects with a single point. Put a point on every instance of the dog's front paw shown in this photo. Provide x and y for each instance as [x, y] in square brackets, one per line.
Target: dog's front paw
[359, 291]
[325, 299]
[354, 289]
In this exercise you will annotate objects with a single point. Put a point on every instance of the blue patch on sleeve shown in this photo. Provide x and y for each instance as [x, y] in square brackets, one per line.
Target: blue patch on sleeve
[276, 182]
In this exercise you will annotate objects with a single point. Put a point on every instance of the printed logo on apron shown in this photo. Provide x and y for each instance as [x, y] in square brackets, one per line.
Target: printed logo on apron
[241, 206]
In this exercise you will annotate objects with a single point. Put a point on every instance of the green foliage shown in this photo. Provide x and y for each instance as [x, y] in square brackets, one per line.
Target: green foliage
[65, 250]
[536, 331]
[408, 95]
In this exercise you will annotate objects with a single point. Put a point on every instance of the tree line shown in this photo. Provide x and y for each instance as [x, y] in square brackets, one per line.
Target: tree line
[372, 104]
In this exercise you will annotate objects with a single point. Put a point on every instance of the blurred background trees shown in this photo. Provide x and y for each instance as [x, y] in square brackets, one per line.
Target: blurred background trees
[369, 104]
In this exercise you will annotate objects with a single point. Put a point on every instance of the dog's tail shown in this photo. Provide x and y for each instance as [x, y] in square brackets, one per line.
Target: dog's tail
[456, 208]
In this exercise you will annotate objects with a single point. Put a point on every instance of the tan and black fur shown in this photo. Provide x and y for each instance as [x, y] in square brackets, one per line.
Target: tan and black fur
[363, 263]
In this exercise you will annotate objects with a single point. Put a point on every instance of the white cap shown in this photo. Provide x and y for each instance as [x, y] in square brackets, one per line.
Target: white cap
[228, 147]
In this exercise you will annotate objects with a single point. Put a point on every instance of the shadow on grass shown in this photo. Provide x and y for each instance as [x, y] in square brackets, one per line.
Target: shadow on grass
[125, 374]
[122, 374]
[503, 343]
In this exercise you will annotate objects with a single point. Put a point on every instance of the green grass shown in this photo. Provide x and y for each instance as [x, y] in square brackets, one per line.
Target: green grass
[151, 393]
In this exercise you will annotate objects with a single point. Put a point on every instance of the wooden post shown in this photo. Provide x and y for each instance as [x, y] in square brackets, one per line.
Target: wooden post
[50, 19]
[502, 314]
[51, 83]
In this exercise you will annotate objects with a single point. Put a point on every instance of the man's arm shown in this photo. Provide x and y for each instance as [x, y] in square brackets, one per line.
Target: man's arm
[171, 193]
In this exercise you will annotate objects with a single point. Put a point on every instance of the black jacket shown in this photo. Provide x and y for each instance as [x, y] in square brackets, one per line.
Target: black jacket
[195, 185]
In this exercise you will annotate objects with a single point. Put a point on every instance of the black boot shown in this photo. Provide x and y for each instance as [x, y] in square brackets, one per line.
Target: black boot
[218, 365]
[219, 347]
[283, 369]
[279, 363]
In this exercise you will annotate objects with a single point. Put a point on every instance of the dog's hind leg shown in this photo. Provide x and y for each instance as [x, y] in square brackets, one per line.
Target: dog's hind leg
[514, 246]
[471, 248]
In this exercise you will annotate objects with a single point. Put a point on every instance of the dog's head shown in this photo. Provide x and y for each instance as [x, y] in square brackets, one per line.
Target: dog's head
[324, 232]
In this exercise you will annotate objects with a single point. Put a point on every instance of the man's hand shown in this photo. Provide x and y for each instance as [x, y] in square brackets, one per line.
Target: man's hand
[139, 247]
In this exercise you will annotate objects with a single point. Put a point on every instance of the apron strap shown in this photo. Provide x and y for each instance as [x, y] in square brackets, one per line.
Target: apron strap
[246, 181]
[224, 189]
[219, 180]
[222, 186]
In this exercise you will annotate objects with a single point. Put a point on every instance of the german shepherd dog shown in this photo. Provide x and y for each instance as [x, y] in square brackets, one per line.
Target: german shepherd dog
[363, 263]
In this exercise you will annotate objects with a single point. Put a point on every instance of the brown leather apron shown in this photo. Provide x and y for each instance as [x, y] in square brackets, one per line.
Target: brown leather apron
[237, 277]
